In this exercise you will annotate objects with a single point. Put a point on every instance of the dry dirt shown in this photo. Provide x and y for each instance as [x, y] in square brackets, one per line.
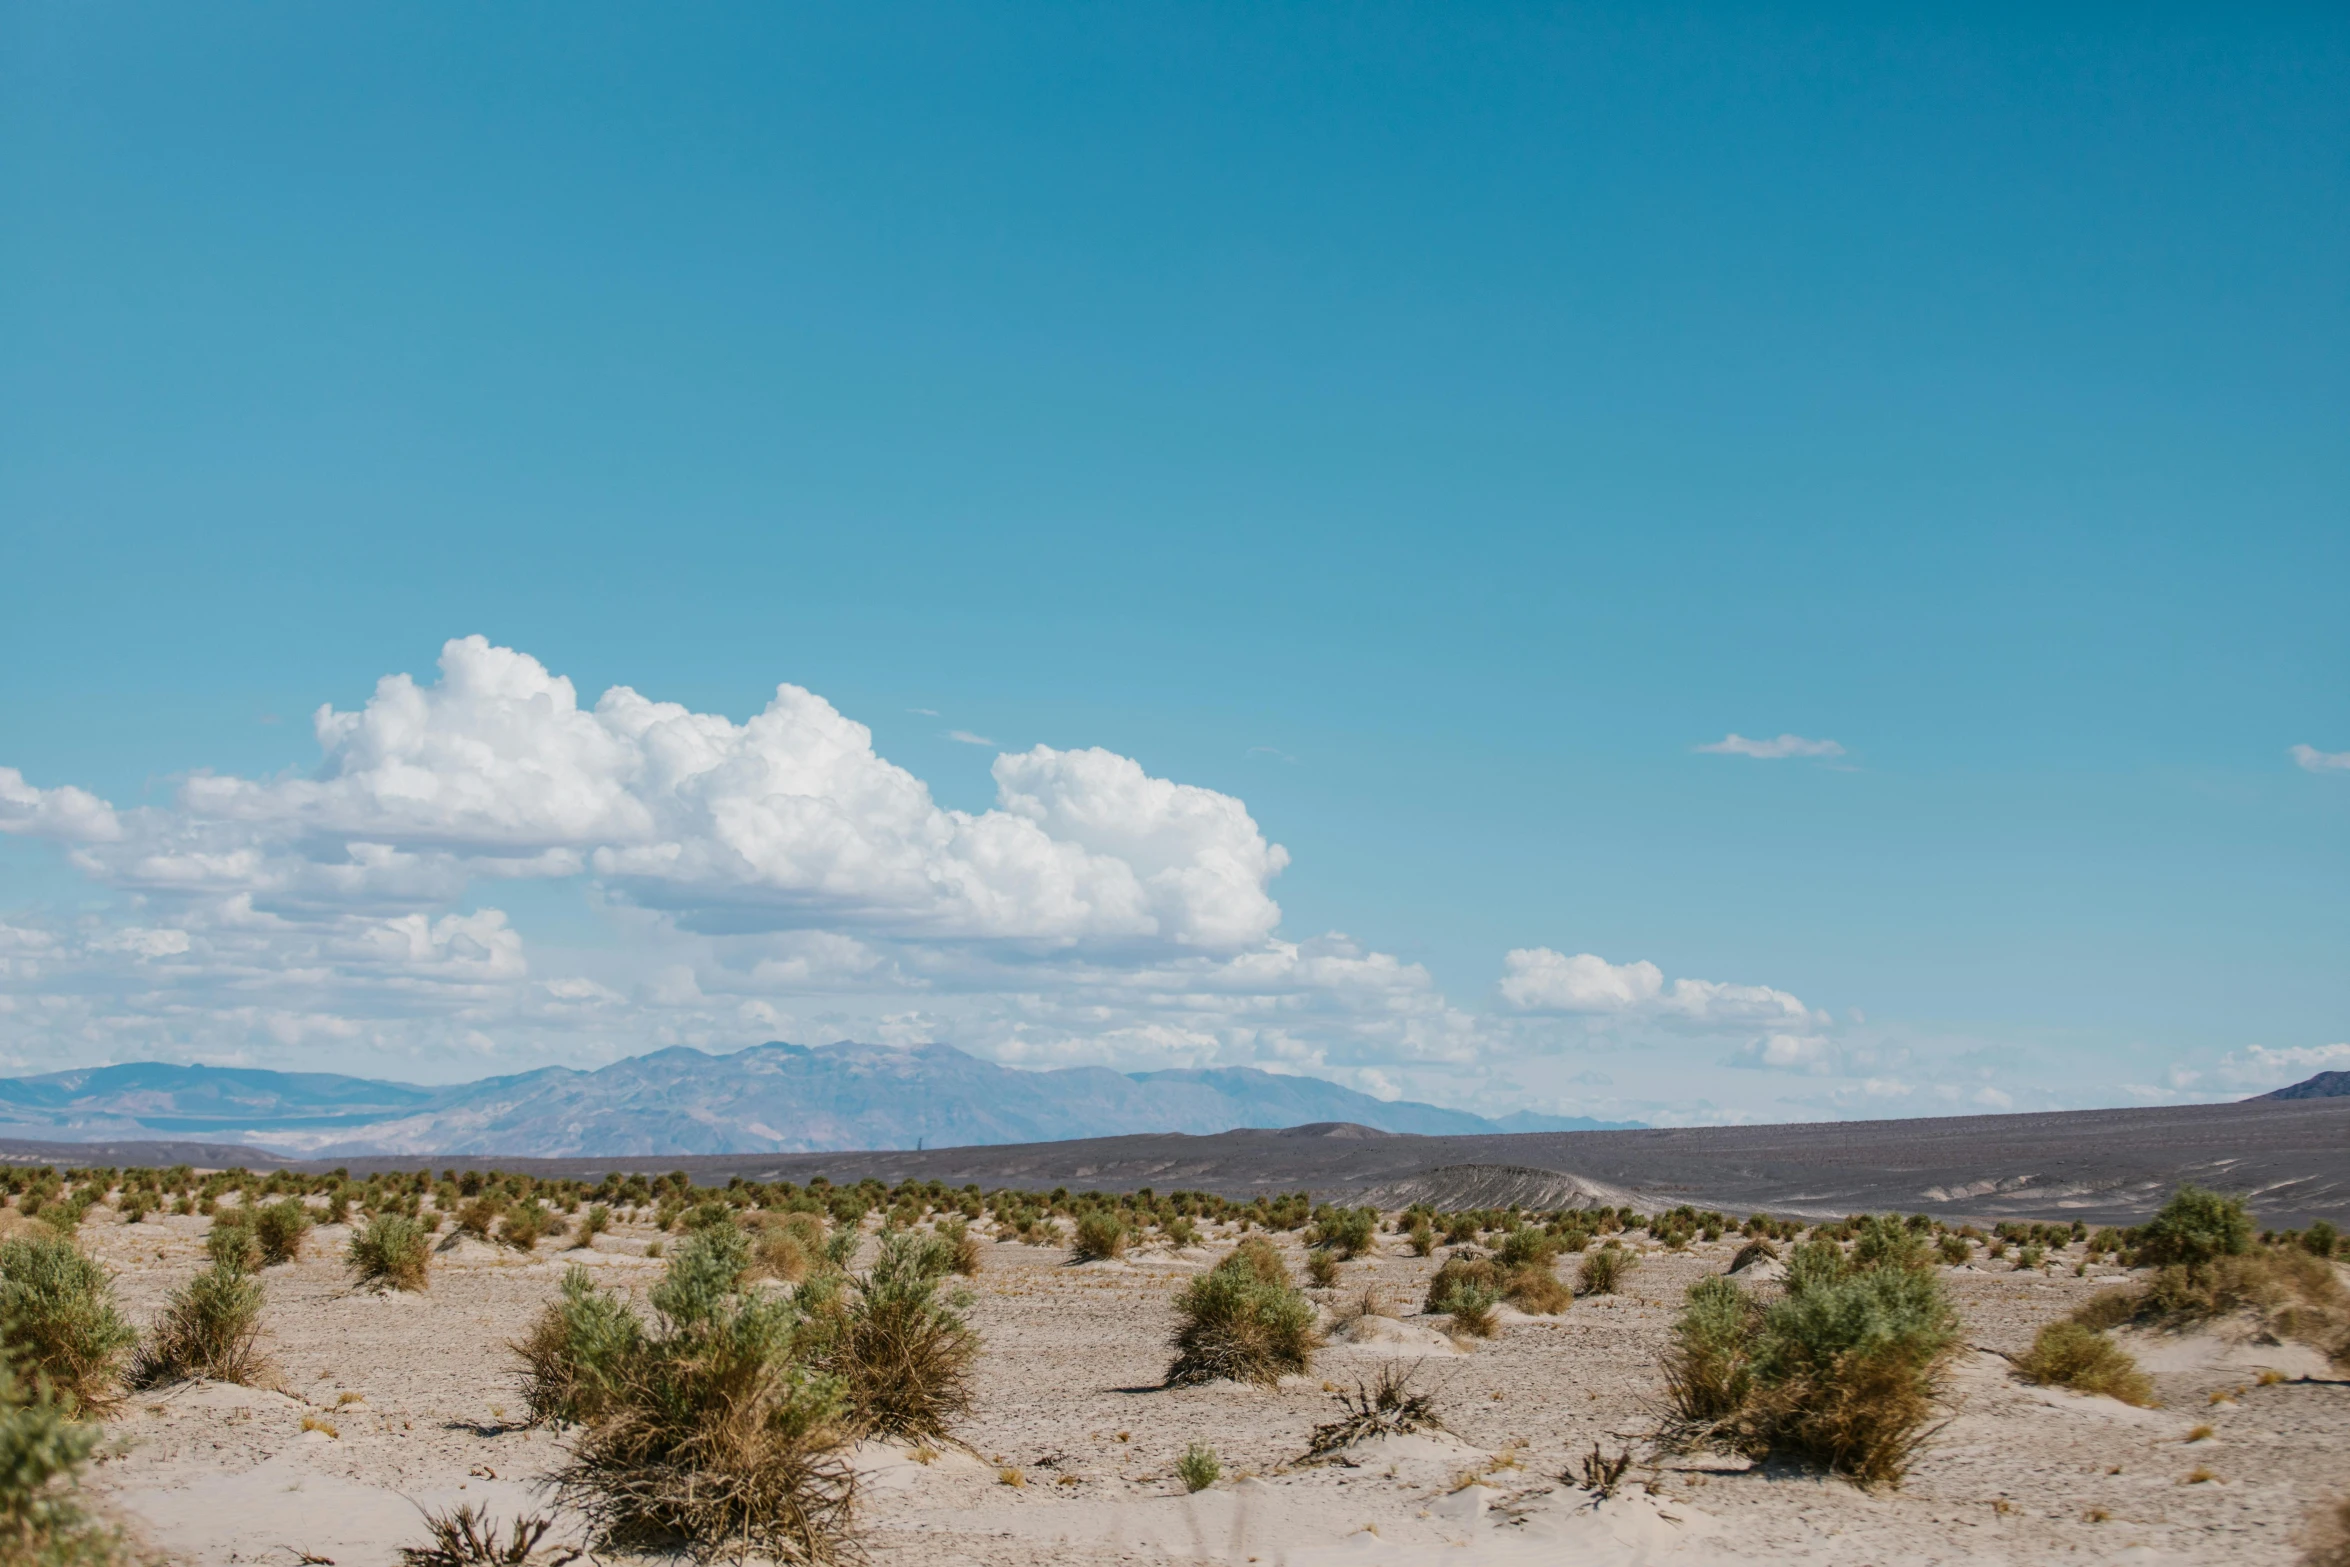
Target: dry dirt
[410, 1403]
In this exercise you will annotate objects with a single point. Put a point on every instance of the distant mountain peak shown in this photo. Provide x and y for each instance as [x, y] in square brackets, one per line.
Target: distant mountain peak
[775, 1097]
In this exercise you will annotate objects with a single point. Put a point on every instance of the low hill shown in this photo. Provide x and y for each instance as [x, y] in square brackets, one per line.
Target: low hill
[2326, 1085]
[770, 1098]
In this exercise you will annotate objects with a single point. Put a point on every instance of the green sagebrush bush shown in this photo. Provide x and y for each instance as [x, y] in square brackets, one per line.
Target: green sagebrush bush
[280, 1228]
[230, 1242]
[1466, 1289]
[210, 1328]
[2074, 1355]
[706, 1431]
[1349, 1232]
[2194, 1229]
[58, 1321]
[43, 1522]
[1243, 1319]
[1842, 1371]
[390, 1249]
[899, 1347]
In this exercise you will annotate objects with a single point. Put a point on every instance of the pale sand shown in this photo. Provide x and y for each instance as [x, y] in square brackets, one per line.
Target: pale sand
[1068, 1397]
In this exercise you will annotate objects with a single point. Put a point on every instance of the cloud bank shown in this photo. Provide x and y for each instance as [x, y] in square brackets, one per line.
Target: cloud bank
[730, 882]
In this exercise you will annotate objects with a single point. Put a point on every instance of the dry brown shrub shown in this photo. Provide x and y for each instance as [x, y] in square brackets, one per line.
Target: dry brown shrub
[210, 1328]
[1387, 1405]
[470, 1538]
[2327, 1536]
[1536, 1289]
[2070, 1354]
[2295, 1295]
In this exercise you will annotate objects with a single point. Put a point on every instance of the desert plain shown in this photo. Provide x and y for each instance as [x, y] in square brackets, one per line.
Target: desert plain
[385, 1405]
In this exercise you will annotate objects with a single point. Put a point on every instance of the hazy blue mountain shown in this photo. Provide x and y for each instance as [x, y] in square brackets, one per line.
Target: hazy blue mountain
[771, 1098]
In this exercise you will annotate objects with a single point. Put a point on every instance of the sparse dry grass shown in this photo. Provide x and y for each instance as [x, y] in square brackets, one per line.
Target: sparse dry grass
[1387, 1405]
[470, 1538]
[1602, 1272]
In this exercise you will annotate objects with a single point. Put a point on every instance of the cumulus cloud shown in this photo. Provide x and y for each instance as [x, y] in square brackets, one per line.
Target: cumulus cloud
[772, 878]
[789, 819]
[1770, 750]
[2309, 758]
[1537, 979]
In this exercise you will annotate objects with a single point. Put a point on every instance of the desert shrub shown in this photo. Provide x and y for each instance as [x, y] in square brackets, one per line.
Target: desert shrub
[1388, 1405]
[1101, 1235]
[1846, 1372]
[1181, 1231]
[2194, 1229]
[1885, 1241]
[338, 1206]
[211, 1328]
[1458, 1274]
[593, 1223]
[901, 1350]
[477, 1217]
[280, 1228]
[1199, 1467]
[231, 1242]
[1459, 1228]
[1322, 1269]
[1243, 1319]
[965, 1261]
[391, 1249]
[1466, 1289]
[2067, 1354]
[713, 1436]
[1602, 1272]
[470, 1538]
[1422, 1236]
[1842, 1371]
[2029, 1258]
[529, 1224]
[42, 1450]
[1350, 1232]
[2327, 1536]
[1526, 1248]
[1953, 1249]
[1709, 1367]
[1535, 1288]
[2321, 1239]
[573, 1354]
[59, 1322]
[2296, 1296]
[1752, 1252]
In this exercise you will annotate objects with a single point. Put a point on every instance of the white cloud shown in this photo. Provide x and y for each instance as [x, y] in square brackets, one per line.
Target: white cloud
[2257, 1067]
[763, 879]
[1788, 1053]
[790, 819]
[966, 737]
[1537, 979]
[2310, 758]
[1771, 750]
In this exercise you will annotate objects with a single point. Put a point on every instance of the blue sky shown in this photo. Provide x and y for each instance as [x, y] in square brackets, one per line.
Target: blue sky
[1425, 425]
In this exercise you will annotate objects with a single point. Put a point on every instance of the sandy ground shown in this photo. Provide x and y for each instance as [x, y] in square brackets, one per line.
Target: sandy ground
[410, 1403]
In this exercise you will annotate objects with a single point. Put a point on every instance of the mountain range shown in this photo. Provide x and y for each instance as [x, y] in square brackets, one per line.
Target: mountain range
[771, 1098]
